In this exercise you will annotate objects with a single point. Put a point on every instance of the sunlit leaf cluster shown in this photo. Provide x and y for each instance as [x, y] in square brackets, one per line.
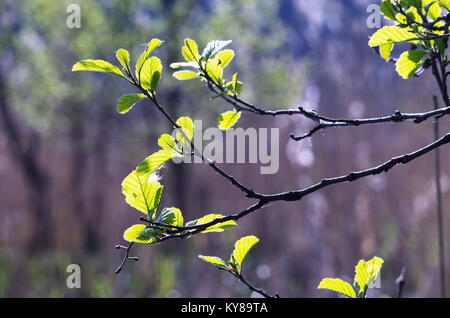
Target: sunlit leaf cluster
[419, 23]
[366, 272]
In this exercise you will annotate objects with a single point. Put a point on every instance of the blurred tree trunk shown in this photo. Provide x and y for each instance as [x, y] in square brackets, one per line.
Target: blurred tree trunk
[26, 156]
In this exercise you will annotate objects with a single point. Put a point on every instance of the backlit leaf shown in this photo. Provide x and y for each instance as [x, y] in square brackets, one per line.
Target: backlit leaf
[124, 58]
[228, 119]
[385, 51]
[190, 50]
[153, 44]
[241, 249]
[213, 47]
[97, 66]
[337, 285]
[187, 127]
[141, 192]
[171, 216]
[389, 35]
[214, 71]
[154, 161]
[167, 142]
[151, 73]
[126, 102]
[213, 260]
[224, 57]
[185, 75]
[140, 234]
[409, 62]
[366, 272]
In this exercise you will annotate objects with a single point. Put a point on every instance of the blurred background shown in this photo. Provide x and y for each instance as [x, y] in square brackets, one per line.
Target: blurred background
[64, 151]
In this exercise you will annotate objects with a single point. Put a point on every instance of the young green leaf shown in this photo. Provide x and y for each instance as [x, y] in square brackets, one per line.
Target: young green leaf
[126, 102]
[234, 87]
[151, 73]
[185, 75]
[387, 10]
[190, 50]
[367, 272]
[390, 35]
[228, 119]
[444, 4]
[187, 127]
[214, 71]
[153, 44]
[214, 260]
[219, 227]
[142, 193]
[409, 62]
[213, 47]
[154, 161]
[97, 66]
[337, 285]
[432, 8]
[241, 249]
[140, 234]
[224, 57]
[124, 58]
[171, 216]
[385, 51]
[184, 64]
[167, 142]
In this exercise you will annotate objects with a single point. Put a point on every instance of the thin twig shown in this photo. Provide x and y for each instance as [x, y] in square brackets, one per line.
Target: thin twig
[400, 281]
[126, 257]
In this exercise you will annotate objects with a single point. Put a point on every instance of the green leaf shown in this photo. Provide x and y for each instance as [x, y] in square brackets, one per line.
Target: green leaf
[97, 66]
[124, 58]
[171, 216]
[432, 8]
[213, 47]
[187, 127]
[234, 87]
[151, 73]
[367, 272]
[409, 62]
[185, 75]
[140, 234]
[387, 10]
[214, 71]
[241, 249]
[184, 64]
[167, 142]
[337, 285]
[234, 82]
[228, 119]
[213, 260]
[224, 57]
[190, 50]
[153, 44]
[390, 35]
[385, 51]
[444, 4]
[126, 102]
[219, 227]
[142, 192]
[156, 160]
